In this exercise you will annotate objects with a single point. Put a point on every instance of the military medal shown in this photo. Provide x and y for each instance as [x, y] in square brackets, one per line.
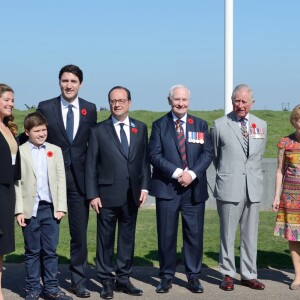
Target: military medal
[201, 137]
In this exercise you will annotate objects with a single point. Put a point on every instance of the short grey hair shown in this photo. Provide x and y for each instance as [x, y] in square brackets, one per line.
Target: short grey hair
[178, 86]
[242, 87]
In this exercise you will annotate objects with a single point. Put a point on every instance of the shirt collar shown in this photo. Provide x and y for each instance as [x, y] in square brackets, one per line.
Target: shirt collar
[36, 147]
[246, 118]
[183, 119]
[117, 122]
[65, 103]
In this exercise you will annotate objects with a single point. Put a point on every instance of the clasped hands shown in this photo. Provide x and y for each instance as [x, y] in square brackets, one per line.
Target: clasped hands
[184, 179]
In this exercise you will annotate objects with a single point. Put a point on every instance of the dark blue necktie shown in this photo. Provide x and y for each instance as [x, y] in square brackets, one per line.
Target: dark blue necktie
[124, 141]
[70, 123]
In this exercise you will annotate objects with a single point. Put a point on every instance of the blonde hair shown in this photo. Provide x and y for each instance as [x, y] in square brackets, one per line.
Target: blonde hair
[295, 115]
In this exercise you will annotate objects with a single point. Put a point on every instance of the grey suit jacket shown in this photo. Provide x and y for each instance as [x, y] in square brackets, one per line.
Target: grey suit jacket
[26, 187]
[237, 173]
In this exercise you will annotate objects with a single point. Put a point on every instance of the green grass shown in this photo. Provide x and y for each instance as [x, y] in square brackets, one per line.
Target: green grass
[272, 251]
[278, 122]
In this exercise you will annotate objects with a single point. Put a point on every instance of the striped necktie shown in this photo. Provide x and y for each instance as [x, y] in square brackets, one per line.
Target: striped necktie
[181, 142]
[245, 134]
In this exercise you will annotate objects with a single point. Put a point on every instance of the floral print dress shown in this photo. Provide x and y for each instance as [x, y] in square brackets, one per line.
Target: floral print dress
[288, 217]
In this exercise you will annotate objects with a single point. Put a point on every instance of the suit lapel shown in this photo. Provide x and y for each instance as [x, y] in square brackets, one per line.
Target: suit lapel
[234, 124]
[28, 156]
[133, 132]
[110, 128]
[252, 142]
[190, 126]
[171, 125]
[58, 115]
[81, 116]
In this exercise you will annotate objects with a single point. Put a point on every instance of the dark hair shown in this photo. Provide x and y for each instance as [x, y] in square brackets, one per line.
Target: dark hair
[121, 88]
[71, 69]
[34, 119]
[8, 121]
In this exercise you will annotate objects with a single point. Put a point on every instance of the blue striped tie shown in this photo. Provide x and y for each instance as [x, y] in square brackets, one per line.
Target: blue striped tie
[181, 142]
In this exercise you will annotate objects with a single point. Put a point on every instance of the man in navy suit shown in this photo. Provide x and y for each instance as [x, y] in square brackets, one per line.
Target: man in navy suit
[117, 181]
[69, 121]
[180, 153]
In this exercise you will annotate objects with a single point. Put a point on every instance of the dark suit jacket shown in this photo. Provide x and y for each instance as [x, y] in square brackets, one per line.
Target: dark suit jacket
[165, 157]
[8, 172]
[74, 152]
[109, 173]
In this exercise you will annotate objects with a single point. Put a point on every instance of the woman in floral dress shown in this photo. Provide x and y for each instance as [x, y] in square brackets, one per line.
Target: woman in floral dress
[287, 193]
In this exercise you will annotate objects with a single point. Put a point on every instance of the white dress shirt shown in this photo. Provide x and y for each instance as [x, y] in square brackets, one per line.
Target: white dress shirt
[39, 158]
[126, 128]
[76, 112]
[178, 171]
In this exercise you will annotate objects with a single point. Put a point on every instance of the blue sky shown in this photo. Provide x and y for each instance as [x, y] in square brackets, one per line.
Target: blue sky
[149, 45]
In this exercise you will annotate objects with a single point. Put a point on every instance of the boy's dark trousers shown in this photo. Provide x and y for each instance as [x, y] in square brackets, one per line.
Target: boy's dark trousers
[41, 236]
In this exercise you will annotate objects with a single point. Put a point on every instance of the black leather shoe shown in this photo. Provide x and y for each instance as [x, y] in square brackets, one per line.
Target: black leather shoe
[32, 296]
[57, 296]
[80, 291]
[128, 288]
[107, 291]
[164, 286]
[195, 286]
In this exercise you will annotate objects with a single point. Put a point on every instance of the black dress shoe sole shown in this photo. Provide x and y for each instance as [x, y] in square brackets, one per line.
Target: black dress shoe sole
[80, 295]
[163, 291]
[106, 297]
[125, 291]
[196, 291]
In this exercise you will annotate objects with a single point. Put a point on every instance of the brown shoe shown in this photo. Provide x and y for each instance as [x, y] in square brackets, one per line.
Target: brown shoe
[253, 284]
[227, 283]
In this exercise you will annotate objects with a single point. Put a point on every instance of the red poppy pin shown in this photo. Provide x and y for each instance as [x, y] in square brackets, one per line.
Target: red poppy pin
[190, 121]
[49, 153]
[253, 125]
[83, 112]
[134, 130]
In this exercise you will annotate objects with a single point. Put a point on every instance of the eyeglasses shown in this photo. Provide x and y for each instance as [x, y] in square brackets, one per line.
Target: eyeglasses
[118, 101]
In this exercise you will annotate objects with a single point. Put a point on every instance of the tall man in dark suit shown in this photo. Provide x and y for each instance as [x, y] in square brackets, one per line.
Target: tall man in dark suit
[239, 141]
[117, 181]
[180, 152]
[69, 121]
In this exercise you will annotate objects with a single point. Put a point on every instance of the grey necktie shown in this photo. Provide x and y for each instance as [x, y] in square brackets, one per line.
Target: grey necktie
[70, 123]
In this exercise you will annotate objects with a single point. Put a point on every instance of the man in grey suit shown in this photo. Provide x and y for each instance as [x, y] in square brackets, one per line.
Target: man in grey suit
[239, 141]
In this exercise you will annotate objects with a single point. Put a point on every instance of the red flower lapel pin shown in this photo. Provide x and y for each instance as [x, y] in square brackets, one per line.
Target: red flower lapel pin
[49, 153]
[133, 128]
[190, 121]
[83, 112]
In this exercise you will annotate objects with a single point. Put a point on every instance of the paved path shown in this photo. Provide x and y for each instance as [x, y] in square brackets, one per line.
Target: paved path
[276, 281]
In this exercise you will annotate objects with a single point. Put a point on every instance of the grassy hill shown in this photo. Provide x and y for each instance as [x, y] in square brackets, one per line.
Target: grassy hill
[278, 122]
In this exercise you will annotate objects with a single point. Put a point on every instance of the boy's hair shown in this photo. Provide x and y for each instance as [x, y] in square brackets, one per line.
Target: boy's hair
[34, 119]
